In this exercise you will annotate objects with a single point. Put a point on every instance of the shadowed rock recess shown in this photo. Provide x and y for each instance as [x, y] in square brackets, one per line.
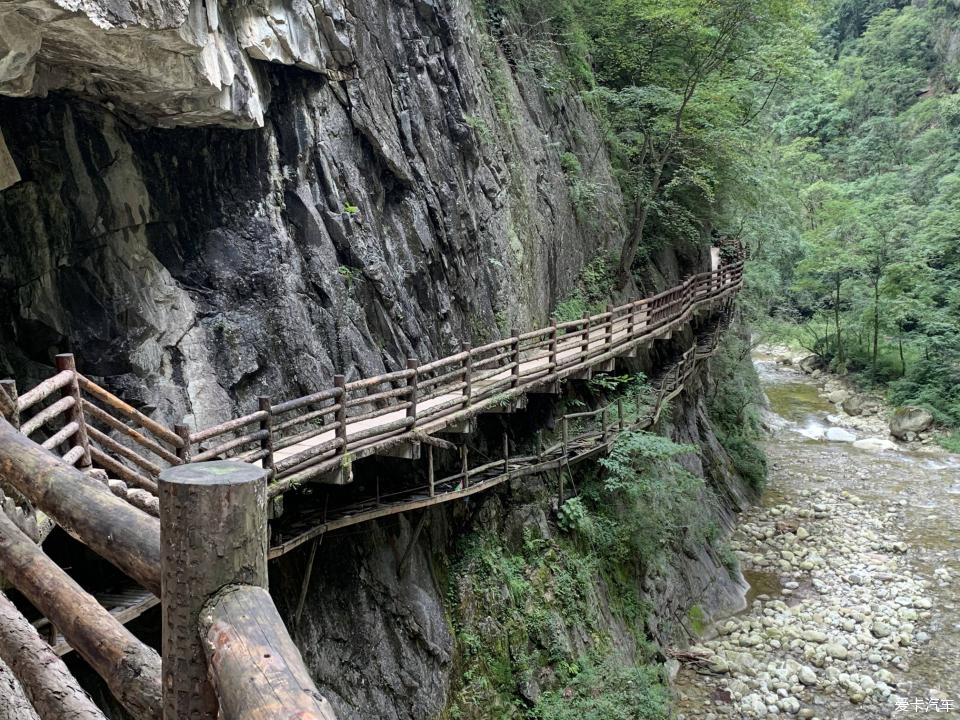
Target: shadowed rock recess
[207, 202]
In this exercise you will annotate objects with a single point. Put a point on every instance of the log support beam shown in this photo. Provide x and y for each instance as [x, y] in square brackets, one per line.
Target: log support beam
[130, 669]
[226, 652]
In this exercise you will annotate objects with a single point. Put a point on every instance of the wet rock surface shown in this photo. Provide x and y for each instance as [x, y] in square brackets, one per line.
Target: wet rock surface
[372, 218]
[852, 558]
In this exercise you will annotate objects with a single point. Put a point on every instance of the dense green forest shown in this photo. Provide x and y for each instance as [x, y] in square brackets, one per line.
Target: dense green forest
[821, 134]
[857, 246]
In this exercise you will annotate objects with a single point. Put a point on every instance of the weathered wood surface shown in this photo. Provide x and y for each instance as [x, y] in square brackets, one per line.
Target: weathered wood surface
[213, 533]
[85, 508]
[14, 704]
[258, 672]
[67, 363]
[567, 451]
[53, 691]
[130, 669]
[107, 398]
[8, 402]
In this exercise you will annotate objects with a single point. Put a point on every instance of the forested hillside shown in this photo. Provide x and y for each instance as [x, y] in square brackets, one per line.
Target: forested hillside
[858, 239]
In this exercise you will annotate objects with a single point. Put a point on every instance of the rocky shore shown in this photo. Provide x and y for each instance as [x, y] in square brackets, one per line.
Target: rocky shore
[851, 558]
[846, 612]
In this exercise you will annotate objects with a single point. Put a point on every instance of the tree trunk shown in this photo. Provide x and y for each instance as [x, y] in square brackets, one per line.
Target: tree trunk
[85, 508]
[45, 679]
[876, 322]
[630, 247]
[214, 533]
[903, 362]
[130, 668]
[836, 320]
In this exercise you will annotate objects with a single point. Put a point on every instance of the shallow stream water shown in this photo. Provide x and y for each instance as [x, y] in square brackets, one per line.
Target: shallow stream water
[895, 515]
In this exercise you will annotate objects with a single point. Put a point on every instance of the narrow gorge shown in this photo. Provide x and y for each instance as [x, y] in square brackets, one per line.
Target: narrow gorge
[472, 359]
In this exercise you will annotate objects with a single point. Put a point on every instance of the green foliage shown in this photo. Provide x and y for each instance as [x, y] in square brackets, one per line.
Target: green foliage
[679, 86]
[480, 127]
[951, 442]
[863, 256]
[573, 517]
[733, 402]
[697, 619]
[513, 613]
[608, 691]
[351, 209]
[348, 274]
[593, 291]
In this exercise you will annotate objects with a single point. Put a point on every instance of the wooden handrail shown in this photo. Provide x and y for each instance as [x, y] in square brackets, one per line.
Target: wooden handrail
[472, 377]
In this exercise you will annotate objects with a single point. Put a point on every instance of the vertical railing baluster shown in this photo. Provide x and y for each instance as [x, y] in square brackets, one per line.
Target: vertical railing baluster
[414, 365]
[266, 443]
[340, 416]
[183, 432]
[553, 347]
[67, 362]
[585, 340]
[515, 358]
[430, 469]
[467, 373]
[10, 387]
[610, 313]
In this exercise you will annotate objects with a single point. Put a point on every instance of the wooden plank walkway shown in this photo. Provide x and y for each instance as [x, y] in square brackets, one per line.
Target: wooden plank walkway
[583, 447]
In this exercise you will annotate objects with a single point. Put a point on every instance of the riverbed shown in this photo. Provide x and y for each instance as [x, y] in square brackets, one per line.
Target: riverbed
[854, 566]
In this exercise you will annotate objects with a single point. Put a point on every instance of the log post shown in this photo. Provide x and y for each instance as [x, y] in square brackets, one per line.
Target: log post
[183, 432]
[506, 453]
[585, 340]
[430, 469]
[632, 321]
[412, 364]
[620, 420]
[257, 670]
[340, 382]
[11, 412]
[84, 507]
[604, 423]
[464, 466]
[52, 690]
[467, 374]
[66, 361]
[539, 446]
[213, 533]
[130, 669]
[266, 443]
[610, 313]
[264, 404]
[515, 358]
[553, 347]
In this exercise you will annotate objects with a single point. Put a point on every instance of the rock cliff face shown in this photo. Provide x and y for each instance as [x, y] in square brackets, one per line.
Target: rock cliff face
[403, 194]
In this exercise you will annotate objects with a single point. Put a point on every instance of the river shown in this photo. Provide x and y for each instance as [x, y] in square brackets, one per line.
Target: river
[854, 566]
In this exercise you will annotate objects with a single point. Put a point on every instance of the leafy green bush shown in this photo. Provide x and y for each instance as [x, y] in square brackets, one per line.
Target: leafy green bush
[592, 293]
[608, 692]
[733, 402]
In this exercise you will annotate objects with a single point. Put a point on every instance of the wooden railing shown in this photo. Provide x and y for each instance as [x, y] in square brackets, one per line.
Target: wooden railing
[306, 438]
[220, 626]
[325, 431]
[580, 436]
